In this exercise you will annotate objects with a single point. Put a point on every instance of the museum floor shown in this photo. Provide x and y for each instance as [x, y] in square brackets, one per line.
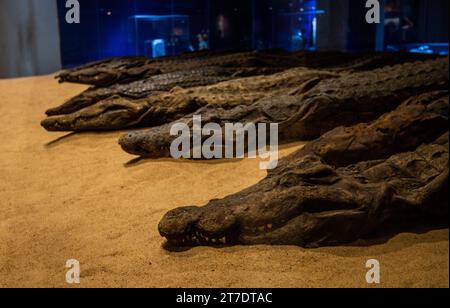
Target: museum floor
[81, 197]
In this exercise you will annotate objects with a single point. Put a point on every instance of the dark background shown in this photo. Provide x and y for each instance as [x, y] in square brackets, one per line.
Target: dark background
[36, 39]
[105, 29]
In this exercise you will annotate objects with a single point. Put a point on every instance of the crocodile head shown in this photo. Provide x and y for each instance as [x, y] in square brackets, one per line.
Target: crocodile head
[154, 143]
[107, 72]
[112, 113]
[302, 206]
[97, 76]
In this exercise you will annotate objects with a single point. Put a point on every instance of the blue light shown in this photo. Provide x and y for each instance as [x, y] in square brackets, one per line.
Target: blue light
[423, 48]
[307, 12]
[301, 25]
[157, 17]
[158, 48]
[159, 35]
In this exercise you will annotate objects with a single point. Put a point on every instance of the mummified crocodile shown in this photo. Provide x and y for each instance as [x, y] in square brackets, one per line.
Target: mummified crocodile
[396, 168]
[107, 72]
[128, 69]
[189, 70]
[118, 112]
[381, 90]
[312, 109]
[157, 84]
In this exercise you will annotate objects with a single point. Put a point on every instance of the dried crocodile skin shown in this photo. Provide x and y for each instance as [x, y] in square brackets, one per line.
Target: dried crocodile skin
[107, 72]
[371, 61]
[119, 112]
[420, 119]
[310, 201]
[128, 69]
[363, 96]
[335, 190]
[307, 114]
[265, 63]
[157, 84]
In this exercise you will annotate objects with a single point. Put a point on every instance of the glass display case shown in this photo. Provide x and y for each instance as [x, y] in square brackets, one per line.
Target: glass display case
[298, 30]
[157, 28]
[289, 25]
[160, 35]
[408, 26]
[154, 28]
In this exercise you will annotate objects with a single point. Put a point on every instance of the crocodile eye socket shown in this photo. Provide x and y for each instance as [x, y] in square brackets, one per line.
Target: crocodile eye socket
[289, 180]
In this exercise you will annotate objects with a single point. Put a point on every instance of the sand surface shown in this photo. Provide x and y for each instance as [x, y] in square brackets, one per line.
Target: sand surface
[77, 198]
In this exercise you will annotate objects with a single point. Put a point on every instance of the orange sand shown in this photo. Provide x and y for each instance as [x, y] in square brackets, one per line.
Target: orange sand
[77, 198]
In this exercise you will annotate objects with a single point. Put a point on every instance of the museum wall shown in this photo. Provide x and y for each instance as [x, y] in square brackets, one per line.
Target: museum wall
[433, 25]
[29, 38]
